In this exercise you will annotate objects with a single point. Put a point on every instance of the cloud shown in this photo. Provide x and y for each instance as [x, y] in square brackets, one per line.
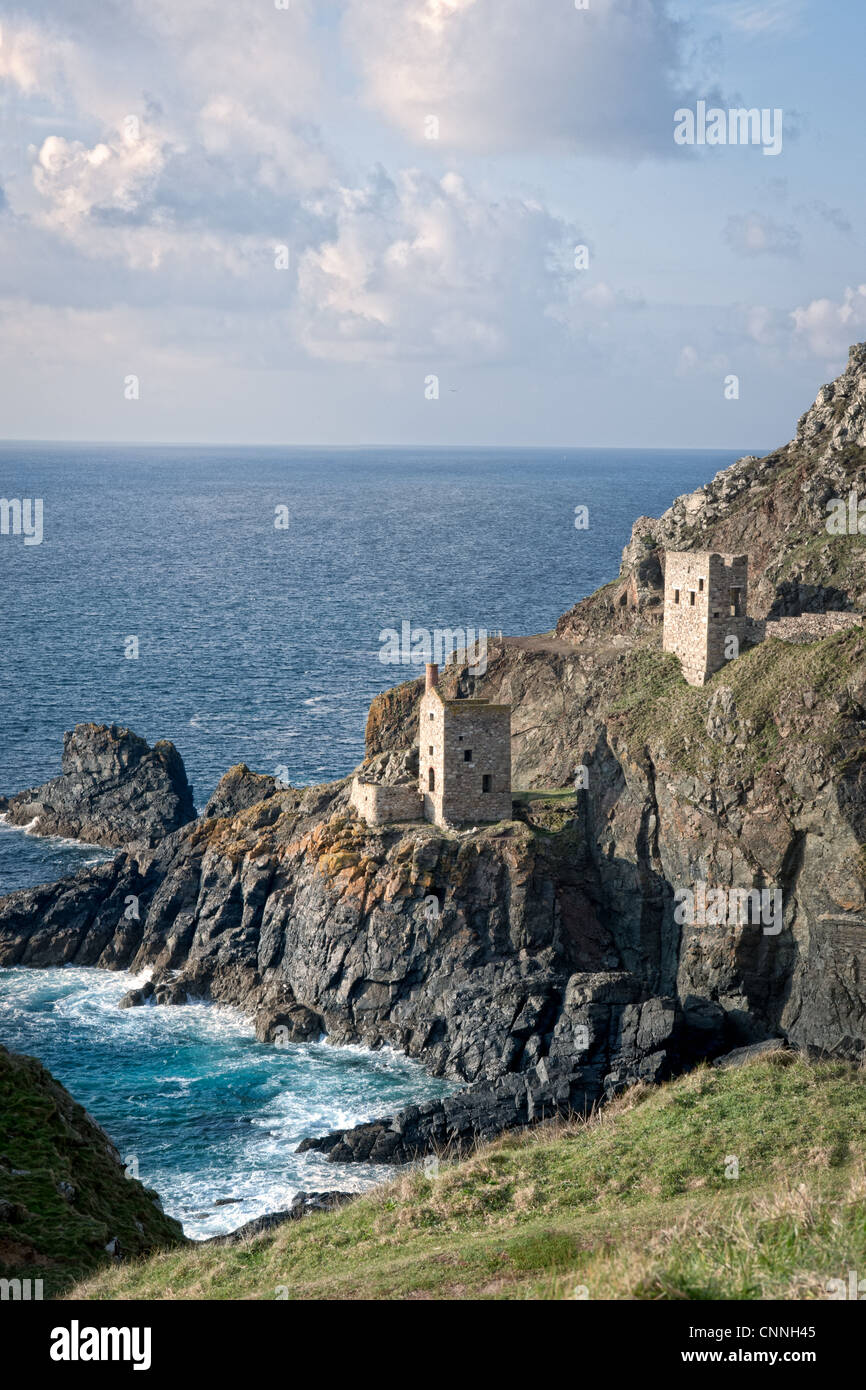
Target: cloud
[509, 75]
[423, 267]
[763, 325]
[243, 79]
[752, 234]
[192, 167]
[77, 182]
[194, 171]
[836, 217]
[827, 327]
[27, 60]
[692, 362]
[757, 17]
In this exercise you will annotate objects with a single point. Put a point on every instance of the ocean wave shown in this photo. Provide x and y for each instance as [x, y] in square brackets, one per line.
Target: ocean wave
[207, 1109]
[62, 841]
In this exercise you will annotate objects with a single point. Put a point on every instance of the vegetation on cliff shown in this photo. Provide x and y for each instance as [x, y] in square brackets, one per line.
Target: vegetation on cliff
[779, 691]
[64, 1194]
[639, 1201]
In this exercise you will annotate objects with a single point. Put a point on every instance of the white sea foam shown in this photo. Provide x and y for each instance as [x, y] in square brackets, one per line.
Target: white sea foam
[62, 840]
[208, 1110]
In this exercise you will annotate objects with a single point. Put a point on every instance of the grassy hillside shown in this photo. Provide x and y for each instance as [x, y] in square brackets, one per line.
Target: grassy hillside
[634, 1203]
[767, 682]
[64, 1195]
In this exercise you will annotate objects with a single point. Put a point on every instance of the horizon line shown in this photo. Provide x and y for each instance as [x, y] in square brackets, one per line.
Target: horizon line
[236, 444]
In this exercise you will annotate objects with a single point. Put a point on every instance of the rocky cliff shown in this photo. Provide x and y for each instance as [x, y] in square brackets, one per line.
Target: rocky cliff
[113, 790]
[775, 509]
[542, 961]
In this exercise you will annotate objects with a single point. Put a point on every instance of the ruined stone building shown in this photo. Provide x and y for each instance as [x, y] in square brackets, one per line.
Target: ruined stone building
[705, 620]
[464, 757]
[464, 766]
[705, 606]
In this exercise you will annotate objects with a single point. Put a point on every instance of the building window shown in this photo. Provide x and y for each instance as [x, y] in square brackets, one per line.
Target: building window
[736, 603]
[485, 782]
[467, 755]
[432, 714]
[700, 586]
[431, 780]
[431, 750]
[676, 595]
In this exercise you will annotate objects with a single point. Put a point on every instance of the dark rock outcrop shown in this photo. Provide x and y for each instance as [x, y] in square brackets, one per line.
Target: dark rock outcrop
[238, 789]
[113, 789]
[741, 1056]
[627, 1042]
[303, 1204]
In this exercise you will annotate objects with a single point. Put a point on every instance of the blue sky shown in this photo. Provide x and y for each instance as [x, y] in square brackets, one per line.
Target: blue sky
[154, 155]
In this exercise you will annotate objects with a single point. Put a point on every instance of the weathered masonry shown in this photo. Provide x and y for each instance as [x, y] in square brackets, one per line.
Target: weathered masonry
[705, 607]
[382, 803]
[464, 766]
[464, 757]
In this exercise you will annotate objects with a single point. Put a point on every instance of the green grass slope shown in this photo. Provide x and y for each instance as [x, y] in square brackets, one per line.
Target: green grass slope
[63, 1191]
[633, 1203]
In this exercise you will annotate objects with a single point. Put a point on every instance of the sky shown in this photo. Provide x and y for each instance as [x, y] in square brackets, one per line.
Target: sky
[356, 222]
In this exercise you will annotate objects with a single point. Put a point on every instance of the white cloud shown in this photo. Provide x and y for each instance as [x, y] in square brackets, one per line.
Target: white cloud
[756, 17]
[763, 325]
[22, 57]
[75, 181]
[507, 74]
[827, 327]
[240, 79]
[692, 362]
[420, 266]
[753, 234]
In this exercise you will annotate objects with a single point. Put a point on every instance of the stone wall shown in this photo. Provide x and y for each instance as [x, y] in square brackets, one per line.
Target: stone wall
[686, 612]
[728, 573]
[431, 753]
[484, 731]
[381, 804]
[808, 627]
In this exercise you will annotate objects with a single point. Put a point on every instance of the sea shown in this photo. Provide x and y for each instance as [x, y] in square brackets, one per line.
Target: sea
[238, 601]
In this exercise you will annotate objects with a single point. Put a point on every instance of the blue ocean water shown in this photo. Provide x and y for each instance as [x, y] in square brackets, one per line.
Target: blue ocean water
[207, 1112]
[260, 645]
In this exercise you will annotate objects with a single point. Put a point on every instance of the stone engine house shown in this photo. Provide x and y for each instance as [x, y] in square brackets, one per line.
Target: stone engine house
[705, 606]
[464, 757]
[464, 766]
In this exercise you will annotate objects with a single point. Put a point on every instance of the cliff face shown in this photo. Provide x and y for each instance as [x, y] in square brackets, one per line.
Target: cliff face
[113, 790]
[543, 960]
[756, 779]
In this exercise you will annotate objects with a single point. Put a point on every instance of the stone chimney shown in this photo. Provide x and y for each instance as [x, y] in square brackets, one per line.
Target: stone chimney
[431, 676]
